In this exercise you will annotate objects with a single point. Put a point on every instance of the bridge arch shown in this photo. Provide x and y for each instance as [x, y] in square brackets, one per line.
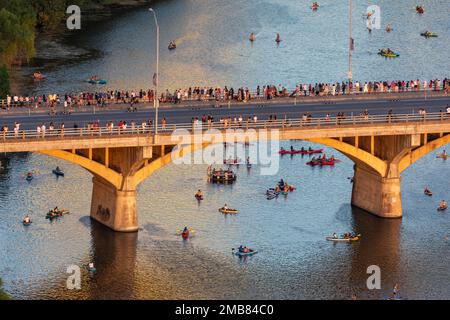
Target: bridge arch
[355, 154]
[422, 151]
[92, 166]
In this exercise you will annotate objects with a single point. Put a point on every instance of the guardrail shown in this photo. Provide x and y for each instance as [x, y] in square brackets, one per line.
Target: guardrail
[305, 122]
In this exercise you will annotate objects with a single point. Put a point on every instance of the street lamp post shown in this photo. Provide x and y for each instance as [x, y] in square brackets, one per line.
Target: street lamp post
[156, 99]
[350, 48]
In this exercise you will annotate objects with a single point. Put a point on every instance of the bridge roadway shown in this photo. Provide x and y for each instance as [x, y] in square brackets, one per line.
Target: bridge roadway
[184, 114]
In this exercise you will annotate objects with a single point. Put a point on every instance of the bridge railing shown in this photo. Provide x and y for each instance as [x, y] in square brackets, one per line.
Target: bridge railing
[304, 122]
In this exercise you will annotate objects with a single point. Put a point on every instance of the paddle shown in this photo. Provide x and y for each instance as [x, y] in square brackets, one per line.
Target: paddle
[180, 231]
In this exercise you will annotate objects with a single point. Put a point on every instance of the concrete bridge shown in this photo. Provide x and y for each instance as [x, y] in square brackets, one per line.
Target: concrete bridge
[119, 160]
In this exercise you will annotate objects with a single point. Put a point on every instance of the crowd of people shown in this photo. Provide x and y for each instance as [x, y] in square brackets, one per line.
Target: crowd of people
[242, 94]
[206, 121]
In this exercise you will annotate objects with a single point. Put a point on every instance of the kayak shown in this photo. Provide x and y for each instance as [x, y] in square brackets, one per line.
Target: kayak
[300, 151]
[428, 193]
[99, 81]
[185, 235]
[50, 215]
[189, 233]
[429, 35]
[442, 208]
[58, 173]
[344, 239]
[198, 197]
[228, 211]
[243, 254]
[232, 161]
[321, 163]
[26, 223]
[327, 163]
[29, 178]
[389, 55]
[443, 156]
[289, 151]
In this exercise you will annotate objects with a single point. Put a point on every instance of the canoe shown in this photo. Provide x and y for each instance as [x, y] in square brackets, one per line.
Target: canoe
[58, 173]
[344, 240]
[228, 211]
[300, 151]
[389, 55]
[243, 254]
[289, 151]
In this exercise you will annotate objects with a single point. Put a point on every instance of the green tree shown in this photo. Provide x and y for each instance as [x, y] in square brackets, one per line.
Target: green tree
[4, 82]
[16, 32]
[3, 295]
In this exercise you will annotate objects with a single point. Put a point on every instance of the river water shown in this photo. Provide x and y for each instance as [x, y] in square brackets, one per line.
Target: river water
[213, 47]
[294, 260]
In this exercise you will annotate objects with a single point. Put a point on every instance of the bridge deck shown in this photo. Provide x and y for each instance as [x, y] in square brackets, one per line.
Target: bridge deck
[84, 138]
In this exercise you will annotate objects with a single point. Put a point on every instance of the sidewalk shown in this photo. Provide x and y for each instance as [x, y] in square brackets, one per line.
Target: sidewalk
[234, 103]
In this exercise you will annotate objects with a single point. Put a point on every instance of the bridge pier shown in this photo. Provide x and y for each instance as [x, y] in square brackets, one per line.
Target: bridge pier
[112, 207]
[378, 195]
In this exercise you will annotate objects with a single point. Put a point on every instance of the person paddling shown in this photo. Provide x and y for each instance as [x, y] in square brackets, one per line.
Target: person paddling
[278, 39]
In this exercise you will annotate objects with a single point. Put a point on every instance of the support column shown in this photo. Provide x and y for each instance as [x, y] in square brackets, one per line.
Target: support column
[114, 208]
[378, 195]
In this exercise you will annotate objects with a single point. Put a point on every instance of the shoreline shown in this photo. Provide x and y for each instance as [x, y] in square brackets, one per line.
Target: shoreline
[53, 48]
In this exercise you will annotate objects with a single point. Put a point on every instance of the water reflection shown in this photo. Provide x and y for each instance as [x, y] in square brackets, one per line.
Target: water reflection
[294, 260]
[114, 256]
[213, 46]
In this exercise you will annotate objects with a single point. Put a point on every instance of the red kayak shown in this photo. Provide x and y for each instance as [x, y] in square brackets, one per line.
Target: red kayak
[185, 235]
[312, 151]
[290, 151]
[327, 162]
[232, 161]
[300, 151]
